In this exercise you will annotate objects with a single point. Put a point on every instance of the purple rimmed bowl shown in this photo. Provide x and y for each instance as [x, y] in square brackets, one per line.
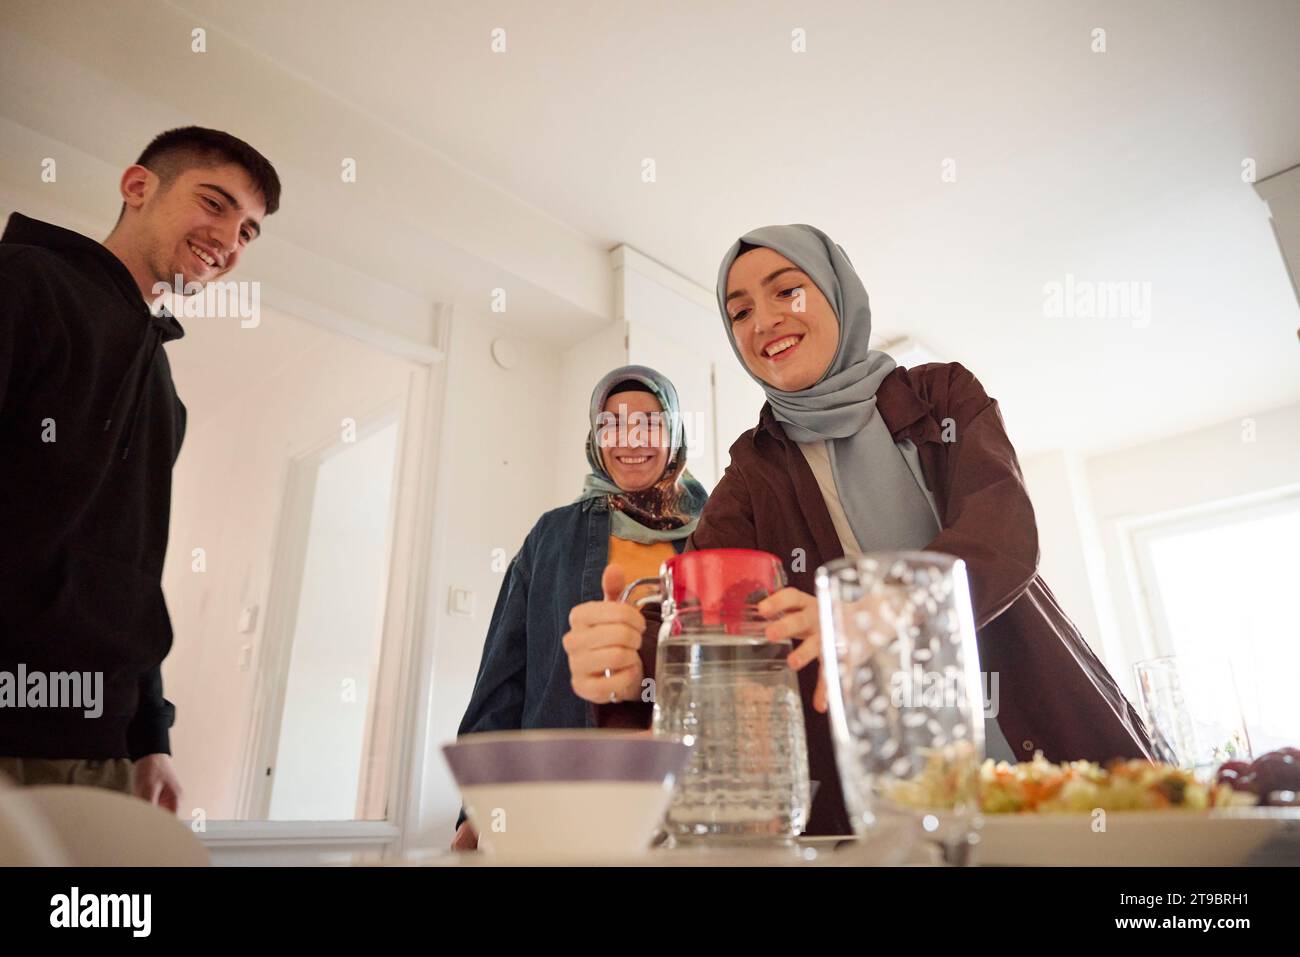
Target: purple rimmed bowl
[565, 794]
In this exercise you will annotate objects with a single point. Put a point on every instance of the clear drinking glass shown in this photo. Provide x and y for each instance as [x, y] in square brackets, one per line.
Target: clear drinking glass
[906, 702]
[1182, 735]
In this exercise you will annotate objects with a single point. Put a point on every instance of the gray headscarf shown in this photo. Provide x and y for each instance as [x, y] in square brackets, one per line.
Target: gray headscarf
[882, 499]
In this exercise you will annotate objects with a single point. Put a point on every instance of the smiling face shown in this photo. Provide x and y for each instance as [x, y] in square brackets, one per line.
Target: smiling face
[197, 226]
[634, 441]
[785, 329]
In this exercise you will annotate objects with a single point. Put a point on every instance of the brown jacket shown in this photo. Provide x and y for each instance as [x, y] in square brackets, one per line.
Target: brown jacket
[1055, 696]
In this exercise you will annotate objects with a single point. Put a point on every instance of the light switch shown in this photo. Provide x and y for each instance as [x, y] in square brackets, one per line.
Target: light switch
[245, 657]
[248, 620]
[461, 602]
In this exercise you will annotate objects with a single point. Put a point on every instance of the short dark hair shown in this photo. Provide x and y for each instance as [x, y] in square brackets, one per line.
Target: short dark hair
[186, 147]
[631, 385]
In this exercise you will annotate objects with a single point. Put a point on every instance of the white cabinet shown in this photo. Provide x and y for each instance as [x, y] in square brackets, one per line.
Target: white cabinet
[737, 401]
[691, 374]
[666, 322]
[674, 326]
[1282, 194]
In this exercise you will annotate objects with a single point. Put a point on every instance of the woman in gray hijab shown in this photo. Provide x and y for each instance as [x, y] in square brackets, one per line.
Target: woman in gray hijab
[853, 454]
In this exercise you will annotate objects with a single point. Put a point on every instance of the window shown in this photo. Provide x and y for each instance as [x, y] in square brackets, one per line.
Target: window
[1222, 595]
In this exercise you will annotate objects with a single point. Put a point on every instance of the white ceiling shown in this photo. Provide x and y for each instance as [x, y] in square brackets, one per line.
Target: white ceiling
[1123, 165]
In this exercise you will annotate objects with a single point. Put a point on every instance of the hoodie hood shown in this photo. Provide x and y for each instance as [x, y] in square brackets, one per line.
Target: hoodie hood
[90, 257]
[97, 261]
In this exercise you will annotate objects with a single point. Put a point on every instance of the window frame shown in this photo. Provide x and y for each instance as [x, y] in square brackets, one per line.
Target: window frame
[1155, 638]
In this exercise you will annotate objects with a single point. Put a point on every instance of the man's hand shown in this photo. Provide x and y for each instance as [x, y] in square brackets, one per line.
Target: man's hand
[465, 839]
[156, 781]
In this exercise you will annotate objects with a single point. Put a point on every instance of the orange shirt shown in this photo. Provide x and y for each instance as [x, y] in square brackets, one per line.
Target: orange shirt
[639, 560]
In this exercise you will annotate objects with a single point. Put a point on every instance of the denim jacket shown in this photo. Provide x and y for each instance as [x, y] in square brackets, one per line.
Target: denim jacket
[523, 679]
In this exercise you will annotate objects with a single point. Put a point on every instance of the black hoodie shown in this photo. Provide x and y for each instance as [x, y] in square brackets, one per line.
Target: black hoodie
[90, 426]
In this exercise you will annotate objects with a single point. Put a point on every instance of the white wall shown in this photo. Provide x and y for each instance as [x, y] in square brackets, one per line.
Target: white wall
[581, 367]
[1071, 559]
[1222, 461]
[495, 480]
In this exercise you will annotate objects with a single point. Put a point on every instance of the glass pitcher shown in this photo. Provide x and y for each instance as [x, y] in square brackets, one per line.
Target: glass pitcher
[724, 689]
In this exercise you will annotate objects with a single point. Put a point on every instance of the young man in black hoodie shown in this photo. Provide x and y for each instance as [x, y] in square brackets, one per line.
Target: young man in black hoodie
[90, 427]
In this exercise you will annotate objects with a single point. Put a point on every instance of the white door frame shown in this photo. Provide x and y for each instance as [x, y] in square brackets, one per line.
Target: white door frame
[290, 554]
[270, 841]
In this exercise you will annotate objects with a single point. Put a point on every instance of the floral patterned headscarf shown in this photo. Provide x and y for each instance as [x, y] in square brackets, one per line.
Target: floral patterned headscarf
[669, 509]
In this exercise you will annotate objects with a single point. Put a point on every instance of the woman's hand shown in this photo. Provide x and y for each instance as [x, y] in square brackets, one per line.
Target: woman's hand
[602, 643]
[796, 620]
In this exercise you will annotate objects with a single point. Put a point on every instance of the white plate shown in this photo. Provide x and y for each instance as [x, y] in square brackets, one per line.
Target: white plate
[1131, 838]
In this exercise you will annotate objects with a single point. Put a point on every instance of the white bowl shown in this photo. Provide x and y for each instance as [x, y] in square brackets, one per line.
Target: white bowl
[553, 795]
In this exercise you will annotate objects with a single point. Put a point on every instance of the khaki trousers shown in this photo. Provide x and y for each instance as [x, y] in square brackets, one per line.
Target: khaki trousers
[115, 774]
